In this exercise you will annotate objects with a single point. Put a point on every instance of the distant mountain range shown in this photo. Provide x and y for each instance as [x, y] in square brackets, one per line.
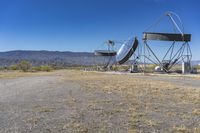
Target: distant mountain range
[195, 62]
[54, 58]
[47, 58]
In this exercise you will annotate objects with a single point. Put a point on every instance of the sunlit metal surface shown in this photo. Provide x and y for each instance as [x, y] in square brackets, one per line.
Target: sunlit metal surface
[126, 50]
[166, 36]
[105, 53]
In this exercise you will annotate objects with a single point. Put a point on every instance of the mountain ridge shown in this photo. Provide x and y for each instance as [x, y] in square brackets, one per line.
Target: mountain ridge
[43, 57]
[57, 58]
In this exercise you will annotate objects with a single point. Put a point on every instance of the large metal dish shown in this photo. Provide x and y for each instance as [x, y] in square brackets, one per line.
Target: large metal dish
[126, 50]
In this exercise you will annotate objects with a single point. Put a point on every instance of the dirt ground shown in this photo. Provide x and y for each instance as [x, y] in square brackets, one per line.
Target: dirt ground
[70, 101]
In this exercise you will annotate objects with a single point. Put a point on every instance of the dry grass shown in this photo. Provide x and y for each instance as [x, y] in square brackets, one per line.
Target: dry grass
[197, 130]
[181, 129]
[15, 74]
[144, 105]
[75, 127]
[144, 97]
[42, 109]
[32, 120]
[196, 112]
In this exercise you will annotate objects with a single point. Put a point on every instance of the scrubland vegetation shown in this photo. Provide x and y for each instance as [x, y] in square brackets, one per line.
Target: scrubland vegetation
[26, 66]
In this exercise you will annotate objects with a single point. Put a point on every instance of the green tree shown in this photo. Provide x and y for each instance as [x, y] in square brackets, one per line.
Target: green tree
[24, 65]
[13, 67]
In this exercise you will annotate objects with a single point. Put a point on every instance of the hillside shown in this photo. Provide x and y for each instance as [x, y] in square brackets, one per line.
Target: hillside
[47, 58]
[55, 58]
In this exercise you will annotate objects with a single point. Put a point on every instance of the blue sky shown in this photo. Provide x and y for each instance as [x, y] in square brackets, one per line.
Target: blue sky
[82, 25]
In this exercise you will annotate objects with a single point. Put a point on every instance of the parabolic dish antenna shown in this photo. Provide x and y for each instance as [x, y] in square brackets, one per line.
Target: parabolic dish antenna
[105, 57]
[105, 52]
[126, 50]
[109, 57]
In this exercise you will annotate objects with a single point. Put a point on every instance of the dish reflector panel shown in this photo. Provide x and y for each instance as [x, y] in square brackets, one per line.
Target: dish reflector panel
[126, 50]
[105, 53]
[166, 36]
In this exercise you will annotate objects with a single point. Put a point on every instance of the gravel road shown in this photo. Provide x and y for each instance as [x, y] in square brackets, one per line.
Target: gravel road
[35, 104]
[49, 104]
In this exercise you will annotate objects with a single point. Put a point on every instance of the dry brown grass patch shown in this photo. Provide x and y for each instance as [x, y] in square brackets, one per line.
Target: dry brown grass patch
[196, 112]
[142, 96]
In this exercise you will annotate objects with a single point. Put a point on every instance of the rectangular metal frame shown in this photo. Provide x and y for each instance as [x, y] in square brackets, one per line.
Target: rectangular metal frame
[166, 36]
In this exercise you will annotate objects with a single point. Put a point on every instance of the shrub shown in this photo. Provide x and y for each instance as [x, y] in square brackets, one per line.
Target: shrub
[46, 68]
[24, 66]
[42, 68]
[36, 68]
[13, 67]
[1, 68]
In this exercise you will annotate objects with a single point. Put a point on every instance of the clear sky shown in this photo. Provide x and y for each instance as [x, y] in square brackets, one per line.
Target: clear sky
[82, 25]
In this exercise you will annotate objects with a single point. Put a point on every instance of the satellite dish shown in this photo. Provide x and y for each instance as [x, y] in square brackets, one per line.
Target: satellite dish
[105, 52]
[126, 50]
[105, 57]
